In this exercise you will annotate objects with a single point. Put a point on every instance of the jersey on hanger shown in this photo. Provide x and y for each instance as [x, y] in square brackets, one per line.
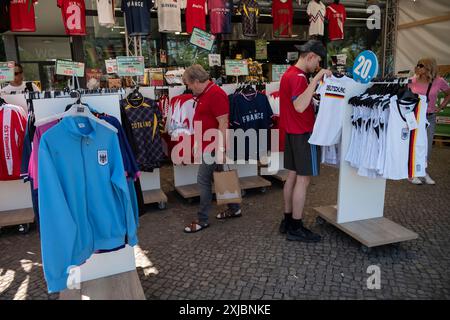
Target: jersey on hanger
[105, 11]
[180, 119]
[195, 15]
[21, 13]
[169, 15]
[282, 13]
[249, 10]
[146, 125]
[12, 125]
[316, 13]
[137, 14]
[5, 24]
[328, 125]
[336, 16]
[74, 16]
[220, 12]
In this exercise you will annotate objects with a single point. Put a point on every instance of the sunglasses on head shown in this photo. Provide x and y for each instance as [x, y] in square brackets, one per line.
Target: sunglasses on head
[420, 65]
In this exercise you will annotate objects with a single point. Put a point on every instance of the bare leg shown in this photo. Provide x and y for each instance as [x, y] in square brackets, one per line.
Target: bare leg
[288, 190]
[299, 196]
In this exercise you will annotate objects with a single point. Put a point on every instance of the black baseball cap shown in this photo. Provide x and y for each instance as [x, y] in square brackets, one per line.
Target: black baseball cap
[312, 46]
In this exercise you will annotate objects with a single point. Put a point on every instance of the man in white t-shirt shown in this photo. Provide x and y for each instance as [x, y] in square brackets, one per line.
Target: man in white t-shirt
[18, 85]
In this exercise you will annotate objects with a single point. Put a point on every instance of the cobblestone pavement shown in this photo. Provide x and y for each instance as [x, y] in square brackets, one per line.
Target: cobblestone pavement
[246, 258]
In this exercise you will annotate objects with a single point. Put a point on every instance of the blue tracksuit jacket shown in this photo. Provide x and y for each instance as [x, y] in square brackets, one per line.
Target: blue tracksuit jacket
[84, 200]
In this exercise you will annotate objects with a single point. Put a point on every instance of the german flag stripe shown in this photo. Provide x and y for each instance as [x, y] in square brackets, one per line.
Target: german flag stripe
[335, 96]
[412, 144]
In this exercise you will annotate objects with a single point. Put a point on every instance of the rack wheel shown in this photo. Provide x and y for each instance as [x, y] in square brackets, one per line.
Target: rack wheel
[162, 205]
[263, 190]
[320, 220]
[24, 228]
[243, 192]
[365, 249]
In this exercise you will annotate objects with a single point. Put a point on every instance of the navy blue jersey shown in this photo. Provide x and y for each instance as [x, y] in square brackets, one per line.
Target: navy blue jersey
[250, 112]
[137, 15]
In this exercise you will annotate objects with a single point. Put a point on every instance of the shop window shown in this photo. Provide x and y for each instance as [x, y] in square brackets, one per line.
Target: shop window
[182, 53]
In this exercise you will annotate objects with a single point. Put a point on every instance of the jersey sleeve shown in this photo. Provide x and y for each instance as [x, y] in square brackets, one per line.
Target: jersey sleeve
[298, 85]
[123, 6]
[442, 85]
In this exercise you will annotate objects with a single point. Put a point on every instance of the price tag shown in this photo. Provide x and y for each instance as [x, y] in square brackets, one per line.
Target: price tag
[411, 121]
[202, 39]
[365, 67]
[130, 66]
[69, 68]
[236, 67]
[111, 66]
[214, 59]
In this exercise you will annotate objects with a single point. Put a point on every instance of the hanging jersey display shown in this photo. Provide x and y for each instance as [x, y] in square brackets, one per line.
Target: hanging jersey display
[169, 15]
[105, 11]
[220, 12]
[146, 125]
[316, 12]
[74, 16]
[283, 14]
[328, 125]
[180, 119]
[5, 24]
[336, 16]
[137, 16]
[12, 125]
[195, 15]
[21, 14]
[249, 10]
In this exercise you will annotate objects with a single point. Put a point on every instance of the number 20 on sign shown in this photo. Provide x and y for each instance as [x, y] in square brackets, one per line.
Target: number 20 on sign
[365, 67]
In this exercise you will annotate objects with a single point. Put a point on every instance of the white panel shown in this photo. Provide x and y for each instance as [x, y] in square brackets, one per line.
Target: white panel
[229, 88]
[272, 87]
[16, 99]
[245, 170]
[14, 195]
[185, 175]
[176, 91]
[150, 180]
[359, 198]
[101, 265]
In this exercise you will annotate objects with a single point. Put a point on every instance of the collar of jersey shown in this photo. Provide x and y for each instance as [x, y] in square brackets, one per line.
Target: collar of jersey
[142, 104]
[71, 125]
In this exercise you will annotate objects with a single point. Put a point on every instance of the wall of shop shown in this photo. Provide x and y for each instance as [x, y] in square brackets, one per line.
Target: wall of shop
[431, 39]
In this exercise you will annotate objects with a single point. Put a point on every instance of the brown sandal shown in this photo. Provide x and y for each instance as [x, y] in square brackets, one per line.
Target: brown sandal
[195, 226]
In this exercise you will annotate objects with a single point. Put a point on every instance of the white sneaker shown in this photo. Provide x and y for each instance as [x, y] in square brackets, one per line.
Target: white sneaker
[428, 179]
[415, 180]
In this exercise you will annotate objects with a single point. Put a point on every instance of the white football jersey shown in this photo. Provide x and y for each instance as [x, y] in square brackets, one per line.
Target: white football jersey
[333, 101]
[169, 15]
[105, 11]
[181, 115]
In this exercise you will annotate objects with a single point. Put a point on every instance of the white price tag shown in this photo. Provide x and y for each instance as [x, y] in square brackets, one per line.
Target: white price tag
[411, 121]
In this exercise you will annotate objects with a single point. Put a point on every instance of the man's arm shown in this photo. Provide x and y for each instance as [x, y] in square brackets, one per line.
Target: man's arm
[303, 101]
[223, 126]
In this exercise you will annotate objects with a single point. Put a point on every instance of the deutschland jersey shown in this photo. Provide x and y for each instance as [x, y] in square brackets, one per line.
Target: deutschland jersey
[145, 121]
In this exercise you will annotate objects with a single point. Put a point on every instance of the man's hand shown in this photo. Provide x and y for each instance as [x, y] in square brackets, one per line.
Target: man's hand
[321, 73]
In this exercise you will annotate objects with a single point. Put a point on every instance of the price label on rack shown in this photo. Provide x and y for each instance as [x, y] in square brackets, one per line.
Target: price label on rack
[69, 68]
[130, 66]
[7, 71]
[365, 67]
[236, 67]
[202, 39]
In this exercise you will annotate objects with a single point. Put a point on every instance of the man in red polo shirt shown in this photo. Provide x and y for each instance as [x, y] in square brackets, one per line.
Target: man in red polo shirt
[211, 110]
[297, 119]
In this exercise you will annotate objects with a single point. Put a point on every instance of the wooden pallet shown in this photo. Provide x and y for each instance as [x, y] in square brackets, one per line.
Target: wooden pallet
[193, 190]
[16, 217]
[155, 196]
[371, 232]
[441, 140]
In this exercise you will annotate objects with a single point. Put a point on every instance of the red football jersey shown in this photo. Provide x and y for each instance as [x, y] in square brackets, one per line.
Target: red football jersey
[195, 15]
[74, 16]
[282, 13]
[21, 14]
[336, 17]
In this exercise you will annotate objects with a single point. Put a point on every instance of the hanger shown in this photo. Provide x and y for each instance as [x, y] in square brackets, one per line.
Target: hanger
[2, 101]
[135, 95]
[77, 109]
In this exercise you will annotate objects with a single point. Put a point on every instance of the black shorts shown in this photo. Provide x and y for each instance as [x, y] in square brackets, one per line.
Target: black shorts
[300, 156]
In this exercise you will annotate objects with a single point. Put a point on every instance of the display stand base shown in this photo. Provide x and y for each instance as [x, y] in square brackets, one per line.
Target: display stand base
[371, 232]
[155, 196]
[122, 286]
[16, 217]
[281, 175]
[193, 190]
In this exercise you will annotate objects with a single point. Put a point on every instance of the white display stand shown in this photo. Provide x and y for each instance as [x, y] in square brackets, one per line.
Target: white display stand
[105, 264]
[359, 211]
[15, 197]
[151, 181]
[280, 174]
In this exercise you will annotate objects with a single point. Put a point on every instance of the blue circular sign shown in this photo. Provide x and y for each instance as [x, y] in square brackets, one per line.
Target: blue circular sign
[365, 67]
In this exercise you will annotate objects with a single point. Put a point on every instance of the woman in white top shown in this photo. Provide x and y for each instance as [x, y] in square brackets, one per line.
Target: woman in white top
[18, 85]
